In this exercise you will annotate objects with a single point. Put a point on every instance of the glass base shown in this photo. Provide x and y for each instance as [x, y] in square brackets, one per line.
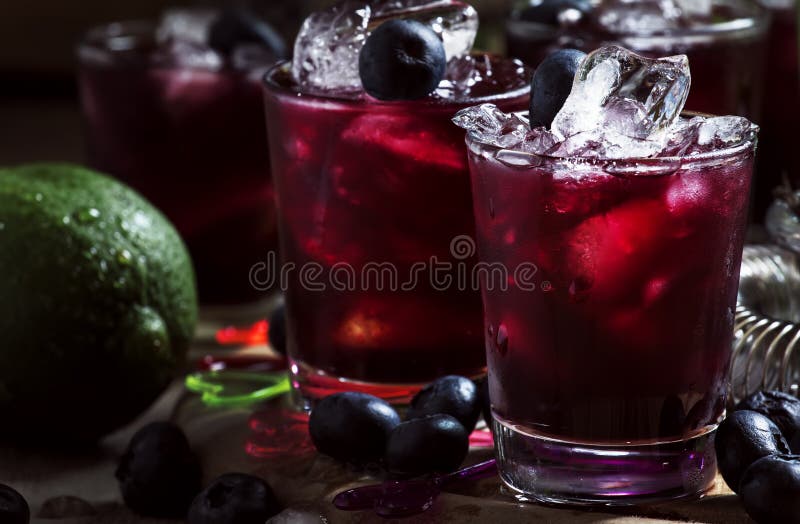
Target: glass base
[541, 469]
[310, 384]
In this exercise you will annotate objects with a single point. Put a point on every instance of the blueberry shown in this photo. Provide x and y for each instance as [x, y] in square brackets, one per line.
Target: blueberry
[770, 489]
[547, 11]
[401, 60]
[551, 85]
[236, 25]
[352, 427]
[277, 329]
[742, 438]
[450, 395]
[781, 408]
[234, 498]
[13, 507]
[436, 443]
[159, 475]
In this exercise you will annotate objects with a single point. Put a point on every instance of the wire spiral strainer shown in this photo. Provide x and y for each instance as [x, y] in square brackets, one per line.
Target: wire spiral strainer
[766, 348]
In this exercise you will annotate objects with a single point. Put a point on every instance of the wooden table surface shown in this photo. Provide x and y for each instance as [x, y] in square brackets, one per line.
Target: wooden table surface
[32, 130]
[271, 441]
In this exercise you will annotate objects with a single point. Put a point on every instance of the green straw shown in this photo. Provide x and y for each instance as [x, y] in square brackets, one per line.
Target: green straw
[207, 384]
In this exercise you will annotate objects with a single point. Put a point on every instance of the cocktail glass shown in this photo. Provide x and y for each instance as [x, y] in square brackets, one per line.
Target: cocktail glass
[609, 342]
[184, 126]
[376, 225]
[727, 48]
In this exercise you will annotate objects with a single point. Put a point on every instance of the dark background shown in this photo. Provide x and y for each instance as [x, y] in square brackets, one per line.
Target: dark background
[39, 112]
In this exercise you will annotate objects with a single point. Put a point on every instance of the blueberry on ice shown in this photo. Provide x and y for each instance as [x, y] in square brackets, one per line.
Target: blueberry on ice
[401, 60]
[551, 85]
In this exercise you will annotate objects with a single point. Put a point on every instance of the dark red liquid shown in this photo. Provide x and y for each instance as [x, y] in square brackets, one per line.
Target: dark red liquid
[627, 336]
[727, 67]
[193, 142]
[361, 181]
[780, 133]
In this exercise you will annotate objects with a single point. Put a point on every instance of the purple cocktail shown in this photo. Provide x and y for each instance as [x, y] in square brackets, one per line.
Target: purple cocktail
[724, 40]
[182, 123]
[621, 230]
[371, 194]
[780, 134]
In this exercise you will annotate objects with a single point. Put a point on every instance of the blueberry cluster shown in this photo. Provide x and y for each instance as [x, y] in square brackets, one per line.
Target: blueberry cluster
[758, 451]
[160, 476]
[362, 429]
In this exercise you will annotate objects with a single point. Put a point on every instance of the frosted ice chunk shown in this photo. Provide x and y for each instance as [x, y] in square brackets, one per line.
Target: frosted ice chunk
[695, 8]
[188, 55]
[639, 17]
[186, 24]
[327, 46]
[539, 141]
[701, 134]
[723, 131]
[489, 125]
[626, 101]
[455, 22]
[608, 144]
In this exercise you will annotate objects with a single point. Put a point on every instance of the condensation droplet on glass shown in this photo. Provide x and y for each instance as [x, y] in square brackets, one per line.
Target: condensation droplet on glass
[502, 339]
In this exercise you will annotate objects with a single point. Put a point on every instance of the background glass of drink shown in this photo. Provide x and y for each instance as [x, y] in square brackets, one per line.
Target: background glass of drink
[184, 125]
[726, 48]
[780, 134]
[608, 378]
[360, 183]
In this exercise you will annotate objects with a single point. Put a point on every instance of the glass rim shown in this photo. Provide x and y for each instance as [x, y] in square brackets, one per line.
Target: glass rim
[130, 34]
[644, 166]
[273, 86]
[107, 44]
[754, 23]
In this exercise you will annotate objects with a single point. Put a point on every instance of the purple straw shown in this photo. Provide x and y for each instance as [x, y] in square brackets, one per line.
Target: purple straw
[401, 498]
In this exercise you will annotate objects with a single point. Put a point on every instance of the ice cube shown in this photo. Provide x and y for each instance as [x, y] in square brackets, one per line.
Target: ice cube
[475, 76]
[704, 134]
[327, 46]
[624, 99]
[605, 144]
[639, 17]
[489, 125]
[539, 141]
[187, 55]
[186, 25]
[724, 131]
[695, 8]
[455, 22]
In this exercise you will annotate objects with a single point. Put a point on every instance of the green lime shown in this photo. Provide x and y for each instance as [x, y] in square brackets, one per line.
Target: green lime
[97, 303]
